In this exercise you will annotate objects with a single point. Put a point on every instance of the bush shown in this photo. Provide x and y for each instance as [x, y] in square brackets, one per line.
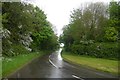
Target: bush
[78, 49]
[99, 50]
[15, 50]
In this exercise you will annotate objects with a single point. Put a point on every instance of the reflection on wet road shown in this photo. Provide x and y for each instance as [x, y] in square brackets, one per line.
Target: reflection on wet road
[53, 66]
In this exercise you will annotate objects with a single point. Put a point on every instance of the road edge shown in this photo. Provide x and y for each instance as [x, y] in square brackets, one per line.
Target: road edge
[7, 76]
[88, 67]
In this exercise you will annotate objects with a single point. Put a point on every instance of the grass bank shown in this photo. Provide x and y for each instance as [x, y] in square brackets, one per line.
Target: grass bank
[105, 65]
[11, 64]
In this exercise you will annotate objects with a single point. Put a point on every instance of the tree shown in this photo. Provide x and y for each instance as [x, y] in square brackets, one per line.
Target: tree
[114, 10]
[111, 34]
[28, 29]
[87, 23]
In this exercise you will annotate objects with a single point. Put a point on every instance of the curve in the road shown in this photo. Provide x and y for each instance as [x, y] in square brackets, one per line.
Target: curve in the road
[51, 66]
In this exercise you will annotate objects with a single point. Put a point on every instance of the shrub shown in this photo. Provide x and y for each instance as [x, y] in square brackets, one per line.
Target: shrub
[15, 50]
[99, 50]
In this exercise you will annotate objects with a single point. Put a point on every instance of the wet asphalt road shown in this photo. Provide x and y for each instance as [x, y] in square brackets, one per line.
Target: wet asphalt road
[52, 66]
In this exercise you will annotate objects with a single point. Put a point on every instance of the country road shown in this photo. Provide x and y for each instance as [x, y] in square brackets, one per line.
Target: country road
[53, 66]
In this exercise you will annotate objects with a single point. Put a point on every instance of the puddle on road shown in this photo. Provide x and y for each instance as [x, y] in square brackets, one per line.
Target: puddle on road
[57, 72]
[59, 54]
[56, 58]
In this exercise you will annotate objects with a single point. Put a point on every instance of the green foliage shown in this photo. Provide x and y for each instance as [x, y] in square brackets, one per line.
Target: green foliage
[61, 39]
[91, 32]
[111, 34]
[26, 26]
[45, 39]
[86, 24]
[99, 50]
[15, 50]
[114, 10]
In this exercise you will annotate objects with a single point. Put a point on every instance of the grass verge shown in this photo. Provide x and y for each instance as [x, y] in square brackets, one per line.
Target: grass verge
[105, 65]
[11, 64]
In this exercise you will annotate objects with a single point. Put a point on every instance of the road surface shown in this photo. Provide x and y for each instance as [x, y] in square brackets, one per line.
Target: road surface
[53, 66]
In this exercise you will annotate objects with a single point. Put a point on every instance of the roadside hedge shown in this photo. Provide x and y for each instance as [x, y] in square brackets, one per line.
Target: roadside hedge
[99, 50]
[15, 50]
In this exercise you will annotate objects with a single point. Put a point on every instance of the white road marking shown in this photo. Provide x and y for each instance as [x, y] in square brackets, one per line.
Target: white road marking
[77, 77]
[53, 63]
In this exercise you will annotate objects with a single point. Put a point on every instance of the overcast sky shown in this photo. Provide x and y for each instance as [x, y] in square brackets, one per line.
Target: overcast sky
[58, 11]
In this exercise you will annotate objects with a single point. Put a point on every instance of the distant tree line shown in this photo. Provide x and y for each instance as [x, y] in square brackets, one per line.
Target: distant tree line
[25, 29]
[93, 30]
